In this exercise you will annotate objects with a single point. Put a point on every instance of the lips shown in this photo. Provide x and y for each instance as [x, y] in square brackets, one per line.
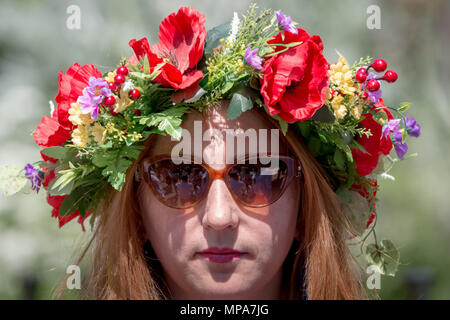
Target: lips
[221, 255]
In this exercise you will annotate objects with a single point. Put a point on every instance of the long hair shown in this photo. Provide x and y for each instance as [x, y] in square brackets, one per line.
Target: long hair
[318, 266]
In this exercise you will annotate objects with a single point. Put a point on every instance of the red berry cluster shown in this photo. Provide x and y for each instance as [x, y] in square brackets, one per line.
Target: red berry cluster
[379, 65]
[119, 79]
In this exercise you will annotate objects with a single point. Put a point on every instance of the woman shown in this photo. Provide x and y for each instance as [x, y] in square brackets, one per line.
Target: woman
[295, 247]
[253, 225]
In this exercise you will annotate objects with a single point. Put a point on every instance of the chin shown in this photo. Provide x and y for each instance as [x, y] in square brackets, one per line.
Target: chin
[223, 292]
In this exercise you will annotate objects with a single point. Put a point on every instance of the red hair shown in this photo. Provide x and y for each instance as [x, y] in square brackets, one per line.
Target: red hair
[319, 264]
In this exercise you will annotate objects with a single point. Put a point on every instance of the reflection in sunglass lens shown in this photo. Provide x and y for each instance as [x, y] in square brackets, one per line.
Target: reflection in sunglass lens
[258, 184]
[178, 186]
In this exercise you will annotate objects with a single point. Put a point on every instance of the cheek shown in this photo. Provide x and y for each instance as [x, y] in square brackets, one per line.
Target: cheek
[282, 219]
[165, 227]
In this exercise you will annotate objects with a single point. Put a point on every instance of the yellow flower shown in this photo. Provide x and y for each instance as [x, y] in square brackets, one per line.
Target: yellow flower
[110, 76]
[76, 117]
[122, 102]
[341, 75]
[356, 111]
[340, 110]
[80, 136]
[99, 133]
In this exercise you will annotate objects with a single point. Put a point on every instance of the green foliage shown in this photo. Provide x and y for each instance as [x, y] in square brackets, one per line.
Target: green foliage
[403, 107]
[226, 68]
[238, 104]
[168, 121]
[214, 36]
[115, 163]
[362, 62]
[384, 255]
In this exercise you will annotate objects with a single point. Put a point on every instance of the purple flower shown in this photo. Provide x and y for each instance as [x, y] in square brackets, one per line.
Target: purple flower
[400, 147]
[390, 126]
[93, 95]
[35, 176]
[412, 127]
[252, 58]
[286, 22]
[376, 95]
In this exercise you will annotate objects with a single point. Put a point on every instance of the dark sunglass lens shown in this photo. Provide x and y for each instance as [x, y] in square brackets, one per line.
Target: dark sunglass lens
[178, 186]
[258, 184]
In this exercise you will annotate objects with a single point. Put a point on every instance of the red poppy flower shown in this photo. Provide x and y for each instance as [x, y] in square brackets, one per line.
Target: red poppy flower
[295, 82]
[182, 38]
[375, 145]
[50, 132]
[55, 130]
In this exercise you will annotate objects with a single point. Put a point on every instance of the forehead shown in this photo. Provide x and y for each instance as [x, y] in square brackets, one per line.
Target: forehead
[250, 123]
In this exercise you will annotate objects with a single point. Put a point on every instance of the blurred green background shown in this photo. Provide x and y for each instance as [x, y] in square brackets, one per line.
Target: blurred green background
[35, 44]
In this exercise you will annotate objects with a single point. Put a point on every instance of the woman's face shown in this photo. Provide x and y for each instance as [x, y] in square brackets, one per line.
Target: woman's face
[263, 235]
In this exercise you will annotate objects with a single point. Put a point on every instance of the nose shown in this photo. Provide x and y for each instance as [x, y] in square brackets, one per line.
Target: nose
[220, 211]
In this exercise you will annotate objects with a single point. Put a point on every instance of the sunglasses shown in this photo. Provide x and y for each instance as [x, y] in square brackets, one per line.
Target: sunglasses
[253, 183]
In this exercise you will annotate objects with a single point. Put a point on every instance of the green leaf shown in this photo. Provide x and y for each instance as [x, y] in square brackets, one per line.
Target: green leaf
[63, 184]
[62, 190]
[385, 256]
[214, 35]
[358, 146]
[115, 163]
[283, 124]
[348, 153]
[344, 194]
[139, 75]
[404, 135]
[204, 82]
[168, 121]
[403, 107]
[172, 127]
[227, 87]
[339, 159]
[391, 257]
[305, 128]
[55, 152]
[322, 137]
[146, 66]
[326, 148]
[323, 114]
[351, 175]
[347, 137]
[238, 104]
[314, 146]
[77, 200]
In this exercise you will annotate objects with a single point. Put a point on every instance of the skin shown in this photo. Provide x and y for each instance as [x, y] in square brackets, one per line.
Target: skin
[264, 234]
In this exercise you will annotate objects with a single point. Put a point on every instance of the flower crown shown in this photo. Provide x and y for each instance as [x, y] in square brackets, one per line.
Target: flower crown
[260, 60]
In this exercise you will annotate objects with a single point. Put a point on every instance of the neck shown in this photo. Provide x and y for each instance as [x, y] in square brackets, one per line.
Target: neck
[271, 291]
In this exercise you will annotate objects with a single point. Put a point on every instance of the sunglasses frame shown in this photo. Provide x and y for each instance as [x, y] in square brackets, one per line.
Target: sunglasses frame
[293, 166]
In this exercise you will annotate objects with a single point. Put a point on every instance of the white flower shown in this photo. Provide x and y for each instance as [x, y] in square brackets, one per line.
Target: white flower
[11, 181]
[234, 28]
[127, 86]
